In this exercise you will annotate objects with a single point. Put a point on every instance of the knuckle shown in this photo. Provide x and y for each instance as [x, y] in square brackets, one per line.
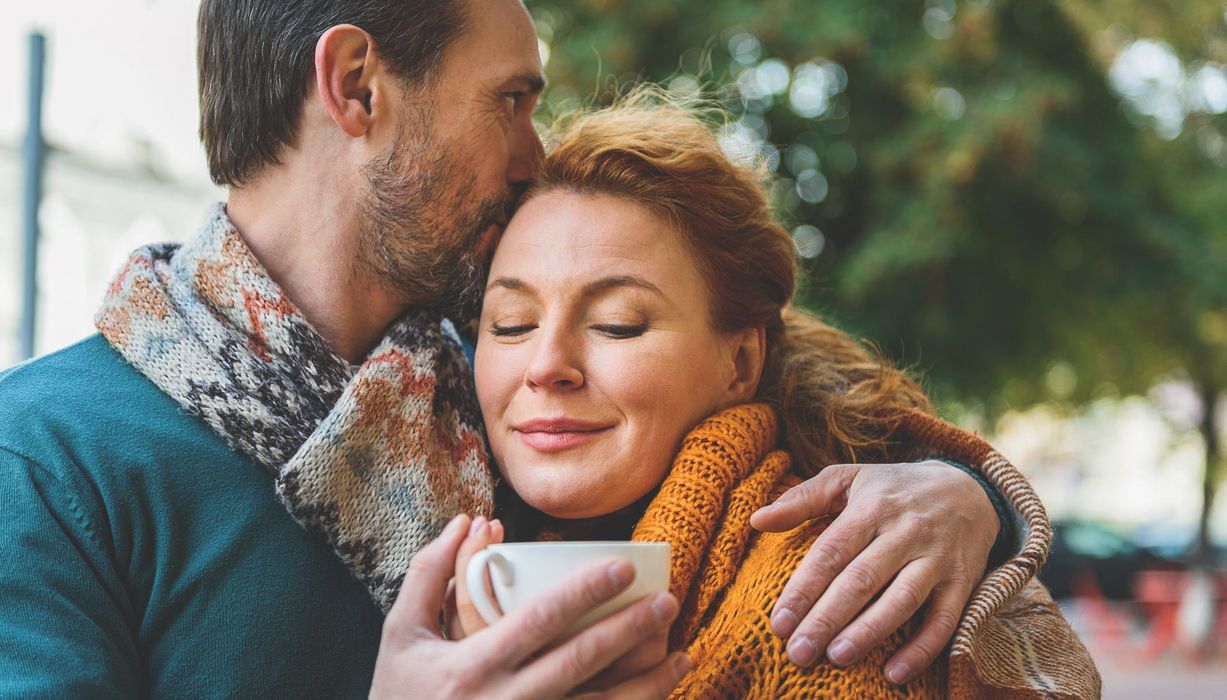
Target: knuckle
[910, 594]
[805, 491]
[645, 624]
[420, 566]
[820, 626]
[828, 554]
[870, 631]
[863, 580]
[798, 601]
[544, 619]
[959, 576]
[944, 621]
[924, 651]
[919, 526]
[581, 654]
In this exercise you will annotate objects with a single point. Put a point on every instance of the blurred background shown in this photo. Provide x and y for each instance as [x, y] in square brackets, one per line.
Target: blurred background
[1024, 200]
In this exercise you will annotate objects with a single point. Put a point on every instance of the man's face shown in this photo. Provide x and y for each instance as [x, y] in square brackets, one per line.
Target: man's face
[465, 147]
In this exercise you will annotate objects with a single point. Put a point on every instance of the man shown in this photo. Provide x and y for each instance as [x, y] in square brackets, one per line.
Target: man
[219, 494]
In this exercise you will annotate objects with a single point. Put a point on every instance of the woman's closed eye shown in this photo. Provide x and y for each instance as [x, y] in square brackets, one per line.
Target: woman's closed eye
[619, 331]
[511, 330]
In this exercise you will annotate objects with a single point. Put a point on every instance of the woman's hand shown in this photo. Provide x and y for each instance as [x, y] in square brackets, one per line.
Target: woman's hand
[518, 657]
[462, 616]
[924, 528]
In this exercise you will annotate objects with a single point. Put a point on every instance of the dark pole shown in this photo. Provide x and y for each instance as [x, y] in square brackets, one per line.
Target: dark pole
[32, 192]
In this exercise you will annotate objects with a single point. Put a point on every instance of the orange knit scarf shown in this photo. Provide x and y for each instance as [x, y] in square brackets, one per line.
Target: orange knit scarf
[728, 576]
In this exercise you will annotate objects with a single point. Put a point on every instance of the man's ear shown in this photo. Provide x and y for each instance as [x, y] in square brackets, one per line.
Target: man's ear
[345, 68]
[747, 352]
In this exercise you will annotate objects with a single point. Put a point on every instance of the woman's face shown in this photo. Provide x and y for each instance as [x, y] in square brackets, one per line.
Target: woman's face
[596, 353]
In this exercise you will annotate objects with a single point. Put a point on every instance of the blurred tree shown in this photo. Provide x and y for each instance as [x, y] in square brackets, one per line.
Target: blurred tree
[962, 172]
[967, 188]
[1181, 100]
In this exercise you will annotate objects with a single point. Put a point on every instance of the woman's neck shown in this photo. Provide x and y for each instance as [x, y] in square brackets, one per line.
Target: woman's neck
[532, 524]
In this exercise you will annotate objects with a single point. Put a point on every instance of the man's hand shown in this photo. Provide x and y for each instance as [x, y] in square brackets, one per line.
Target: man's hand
[924, 528]
[517, 657]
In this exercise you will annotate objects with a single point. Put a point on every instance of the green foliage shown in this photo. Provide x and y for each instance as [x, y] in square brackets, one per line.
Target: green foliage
[987, 208]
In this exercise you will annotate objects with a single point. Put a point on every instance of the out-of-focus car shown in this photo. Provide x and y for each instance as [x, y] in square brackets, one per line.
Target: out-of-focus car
[1111, 559]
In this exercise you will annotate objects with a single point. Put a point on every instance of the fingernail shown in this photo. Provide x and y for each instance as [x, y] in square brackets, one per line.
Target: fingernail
[454, 525]
[478, 523]
[621, 573]
[802, 651]
[898, 673]
[664, 607]
[783, 622]
[841, 652]
[681, 666]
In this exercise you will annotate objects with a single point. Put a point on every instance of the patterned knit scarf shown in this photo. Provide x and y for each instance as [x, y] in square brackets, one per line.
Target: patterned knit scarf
[375, 458]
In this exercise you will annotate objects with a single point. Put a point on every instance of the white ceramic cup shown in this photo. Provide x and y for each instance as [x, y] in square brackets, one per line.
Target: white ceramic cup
[521, 571]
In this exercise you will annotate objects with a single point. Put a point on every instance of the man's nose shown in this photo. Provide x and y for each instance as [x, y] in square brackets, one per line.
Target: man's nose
[526, 153]
[553, 366]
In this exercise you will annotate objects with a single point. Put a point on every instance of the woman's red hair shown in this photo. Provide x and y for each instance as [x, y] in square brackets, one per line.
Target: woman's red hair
[838, 400]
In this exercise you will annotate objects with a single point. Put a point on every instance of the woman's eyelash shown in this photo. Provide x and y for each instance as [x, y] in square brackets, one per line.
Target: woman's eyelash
[621, 332]
[506, 331]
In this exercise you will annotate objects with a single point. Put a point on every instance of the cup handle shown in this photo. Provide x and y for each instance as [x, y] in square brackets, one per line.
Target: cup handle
[475, 577]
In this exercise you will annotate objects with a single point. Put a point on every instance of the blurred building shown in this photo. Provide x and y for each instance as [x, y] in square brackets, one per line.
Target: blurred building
[92, 216]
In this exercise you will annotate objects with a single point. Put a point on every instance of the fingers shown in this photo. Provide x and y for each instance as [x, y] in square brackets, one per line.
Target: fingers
[821, 495]
[529, 628]
[844, 598]
[479, 535]
[424, 588]
[935, 632]
[834, 549]
[903, 597]
[655, 684]
[640, 659]
[587, 653]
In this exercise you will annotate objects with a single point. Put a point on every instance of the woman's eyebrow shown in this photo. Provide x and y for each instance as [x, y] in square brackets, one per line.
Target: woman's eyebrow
[607, 283]
[591, 289]
[513, 283]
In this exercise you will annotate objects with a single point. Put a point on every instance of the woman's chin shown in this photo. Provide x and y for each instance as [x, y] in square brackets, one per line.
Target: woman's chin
[568, 511]
[568, 507]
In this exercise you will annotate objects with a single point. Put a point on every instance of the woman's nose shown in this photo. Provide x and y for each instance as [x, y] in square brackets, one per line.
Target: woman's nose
[553, 367]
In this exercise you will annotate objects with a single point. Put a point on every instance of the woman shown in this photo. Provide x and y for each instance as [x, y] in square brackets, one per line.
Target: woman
[642, 377]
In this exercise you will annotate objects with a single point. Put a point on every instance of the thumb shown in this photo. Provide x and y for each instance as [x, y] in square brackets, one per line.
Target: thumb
[424, 590]
[819, 496]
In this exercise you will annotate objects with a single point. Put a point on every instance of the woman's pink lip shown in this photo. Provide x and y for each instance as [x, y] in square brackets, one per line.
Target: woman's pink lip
[558, 425]
[558, 434]
[557, 441]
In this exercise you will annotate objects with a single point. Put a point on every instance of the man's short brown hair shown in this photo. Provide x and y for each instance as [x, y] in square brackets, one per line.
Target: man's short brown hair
[255, 58]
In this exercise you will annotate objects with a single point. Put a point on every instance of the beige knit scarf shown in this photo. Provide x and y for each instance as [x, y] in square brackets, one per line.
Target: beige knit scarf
[375, 458]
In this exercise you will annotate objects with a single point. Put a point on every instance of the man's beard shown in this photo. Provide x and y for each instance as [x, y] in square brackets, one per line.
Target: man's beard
[421, 232]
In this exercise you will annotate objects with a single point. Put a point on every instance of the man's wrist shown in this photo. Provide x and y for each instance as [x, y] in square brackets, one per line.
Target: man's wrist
[1006, 543]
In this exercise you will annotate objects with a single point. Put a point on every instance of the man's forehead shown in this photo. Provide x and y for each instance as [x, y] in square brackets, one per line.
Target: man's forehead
[499, 42]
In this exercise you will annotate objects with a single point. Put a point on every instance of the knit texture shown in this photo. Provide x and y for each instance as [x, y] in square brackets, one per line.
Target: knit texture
[728, 578]
[375, 458]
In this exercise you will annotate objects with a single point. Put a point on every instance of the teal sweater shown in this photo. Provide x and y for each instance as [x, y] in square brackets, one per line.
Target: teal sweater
[142, 557]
